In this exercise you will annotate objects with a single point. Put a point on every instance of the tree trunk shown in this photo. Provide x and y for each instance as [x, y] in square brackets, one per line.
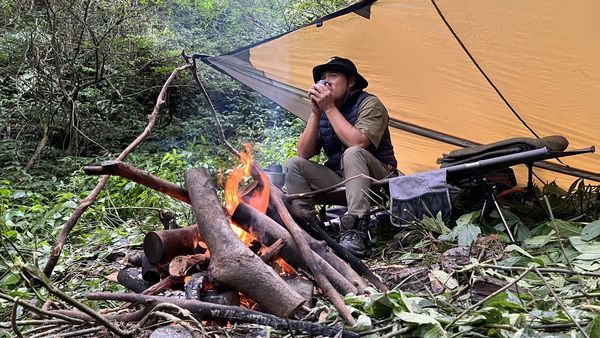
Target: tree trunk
[38, 150]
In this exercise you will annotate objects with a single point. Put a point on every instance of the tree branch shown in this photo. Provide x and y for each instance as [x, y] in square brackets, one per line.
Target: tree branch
[86, 202]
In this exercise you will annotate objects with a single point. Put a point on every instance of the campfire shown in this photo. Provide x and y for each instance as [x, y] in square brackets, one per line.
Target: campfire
[242, 252]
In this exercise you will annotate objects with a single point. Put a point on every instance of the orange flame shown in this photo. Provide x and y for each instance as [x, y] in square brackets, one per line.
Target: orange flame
[232, 194]
[285, 267]
[258, 198]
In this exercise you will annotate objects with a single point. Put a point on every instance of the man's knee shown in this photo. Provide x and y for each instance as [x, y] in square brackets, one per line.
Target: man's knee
[354, 154]
[294, 164]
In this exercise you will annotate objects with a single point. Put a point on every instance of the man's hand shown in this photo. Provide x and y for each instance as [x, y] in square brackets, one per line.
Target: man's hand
[321, 97]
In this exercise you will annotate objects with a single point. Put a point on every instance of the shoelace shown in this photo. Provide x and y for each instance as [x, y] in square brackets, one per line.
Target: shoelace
[349, 234]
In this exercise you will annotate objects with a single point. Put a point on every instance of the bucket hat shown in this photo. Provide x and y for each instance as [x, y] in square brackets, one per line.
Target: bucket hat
[342, 65]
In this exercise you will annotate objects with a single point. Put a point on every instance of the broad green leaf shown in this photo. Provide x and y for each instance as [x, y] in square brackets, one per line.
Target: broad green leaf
[492, 315]
[363, 323]
[513, 247]
[538, 241]
[382, 304]
[593, 328]
[431, 331]
[590, 247]
[588, 257]
[69, 204]
[10, 280]
[465, 234]
[591, 231]
[505, 300]
[416, 318]
[467, 218]
[566, 229]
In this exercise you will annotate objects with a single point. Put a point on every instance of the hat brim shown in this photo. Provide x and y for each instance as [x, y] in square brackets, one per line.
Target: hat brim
[318, 71]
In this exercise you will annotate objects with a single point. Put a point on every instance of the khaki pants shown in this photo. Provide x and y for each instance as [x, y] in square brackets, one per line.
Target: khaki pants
[304, 175]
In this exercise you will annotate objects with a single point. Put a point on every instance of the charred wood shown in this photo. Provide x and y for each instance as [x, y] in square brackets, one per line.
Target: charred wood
[209, 311]
[131, 278]
[163, 246]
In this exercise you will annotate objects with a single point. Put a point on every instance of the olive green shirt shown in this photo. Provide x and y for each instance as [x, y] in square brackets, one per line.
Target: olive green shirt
[372, 119]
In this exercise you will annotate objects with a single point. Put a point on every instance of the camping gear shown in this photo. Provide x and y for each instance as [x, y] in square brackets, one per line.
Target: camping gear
[415, 196]
[438, 95]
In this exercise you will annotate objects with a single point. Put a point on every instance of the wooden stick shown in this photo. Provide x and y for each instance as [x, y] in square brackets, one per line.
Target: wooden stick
[232, 262]
[86, 202]
[560, 303]
[125, 170]
[34, 271]
[276, 198]
[272, 250]
[542, 270]
[227, 312]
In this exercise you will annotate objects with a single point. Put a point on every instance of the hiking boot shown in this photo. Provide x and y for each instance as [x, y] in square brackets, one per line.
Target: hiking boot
[354, 234]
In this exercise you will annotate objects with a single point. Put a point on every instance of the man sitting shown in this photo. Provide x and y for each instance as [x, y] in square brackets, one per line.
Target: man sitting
[351, 126]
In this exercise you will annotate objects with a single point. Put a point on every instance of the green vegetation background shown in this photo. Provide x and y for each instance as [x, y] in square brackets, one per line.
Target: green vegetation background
[77, 81]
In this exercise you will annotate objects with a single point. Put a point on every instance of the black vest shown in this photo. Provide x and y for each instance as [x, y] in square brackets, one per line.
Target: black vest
[334, 148]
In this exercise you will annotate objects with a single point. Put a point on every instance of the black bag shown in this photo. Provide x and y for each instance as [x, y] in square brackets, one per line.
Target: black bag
[415, 196]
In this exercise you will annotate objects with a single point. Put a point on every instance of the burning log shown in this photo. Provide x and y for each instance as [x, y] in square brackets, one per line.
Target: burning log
[267, 231]
[232, 262]
[162, 246]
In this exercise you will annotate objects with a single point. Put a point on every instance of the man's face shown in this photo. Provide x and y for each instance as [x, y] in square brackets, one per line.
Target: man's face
[340, 83]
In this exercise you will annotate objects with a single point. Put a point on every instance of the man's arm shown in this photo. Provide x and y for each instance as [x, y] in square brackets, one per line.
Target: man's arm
[348, 134]
[323, 97]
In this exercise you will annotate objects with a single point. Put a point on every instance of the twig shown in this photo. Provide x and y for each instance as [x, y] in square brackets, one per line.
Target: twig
[217, 311]
[397, 333]
[177, 320]
[562, 247]
[34, 271]
[40, 311]
[86, 202]
[49, 333]
[497, 292]
[542, 270]
[561, 304]
[314, 193]
[79, 333]
[13, 319]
